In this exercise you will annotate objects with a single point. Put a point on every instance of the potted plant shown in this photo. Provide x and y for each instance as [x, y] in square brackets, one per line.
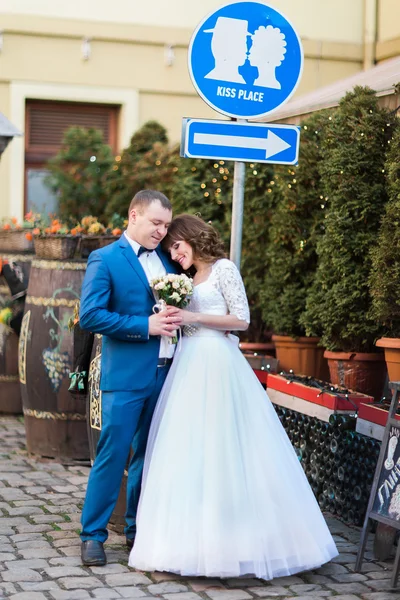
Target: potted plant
[295, 227]
[52, 239]
[262, 196]
[385, 274]
[12, 235]
[94, 235]
[353, 181]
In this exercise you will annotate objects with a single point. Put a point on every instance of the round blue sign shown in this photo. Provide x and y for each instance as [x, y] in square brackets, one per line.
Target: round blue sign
[245, 59]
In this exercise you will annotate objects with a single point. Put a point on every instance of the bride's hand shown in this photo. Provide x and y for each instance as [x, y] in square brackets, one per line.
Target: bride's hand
[186, 316]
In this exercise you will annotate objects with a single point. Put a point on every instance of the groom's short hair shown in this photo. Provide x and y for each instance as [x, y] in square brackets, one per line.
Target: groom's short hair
[144, 198]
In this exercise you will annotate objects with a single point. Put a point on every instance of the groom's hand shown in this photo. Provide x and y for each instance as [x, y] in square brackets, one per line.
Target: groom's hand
[163, 323]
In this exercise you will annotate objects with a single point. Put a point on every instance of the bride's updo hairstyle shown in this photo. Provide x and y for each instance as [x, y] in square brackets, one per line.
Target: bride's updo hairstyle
[202, 237]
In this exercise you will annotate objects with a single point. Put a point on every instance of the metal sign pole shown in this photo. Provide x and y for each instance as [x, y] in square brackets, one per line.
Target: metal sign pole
[239, 176]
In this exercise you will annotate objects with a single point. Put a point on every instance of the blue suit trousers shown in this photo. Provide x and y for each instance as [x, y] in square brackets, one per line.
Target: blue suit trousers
[126, 420]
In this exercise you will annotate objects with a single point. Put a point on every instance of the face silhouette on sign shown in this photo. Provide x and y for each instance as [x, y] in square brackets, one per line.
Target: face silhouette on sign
[229, 48]
[245, 59]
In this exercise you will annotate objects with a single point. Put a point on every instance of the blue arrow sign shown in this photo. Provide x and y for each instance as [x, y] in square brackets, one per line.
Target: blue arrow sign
[245, 59]
[248, 142]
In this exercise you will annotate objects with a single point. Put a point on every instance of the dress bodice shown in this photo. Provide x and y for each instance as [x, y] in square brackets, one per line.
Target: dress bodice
[221, 294]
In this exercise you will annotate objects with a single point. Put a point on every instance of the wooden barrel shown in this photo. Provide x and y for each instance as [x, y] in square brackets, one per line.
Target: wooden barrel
[54, 419]
[17, 268]
[10, 394]
[117, 520]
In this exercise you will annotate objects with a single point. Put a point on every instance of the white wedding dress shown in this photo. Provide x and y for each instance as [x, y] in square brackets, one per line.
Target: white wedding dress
[223, 492]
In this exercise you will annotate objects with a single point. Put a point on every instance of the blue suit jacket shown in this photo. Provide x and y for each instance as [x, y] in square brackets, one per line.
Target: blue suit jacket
[117, 301]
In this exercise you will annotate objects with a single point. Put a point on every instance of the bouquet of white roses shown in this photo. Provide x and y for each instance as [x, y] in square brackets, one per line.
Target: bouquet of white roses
[174, 290]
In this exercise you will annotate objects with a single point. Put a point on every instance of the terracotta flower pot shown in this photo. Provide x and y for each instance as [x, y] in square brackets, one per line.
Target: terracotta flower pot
[392, 356]
[358, 371]
[266, 348]
[301, 355]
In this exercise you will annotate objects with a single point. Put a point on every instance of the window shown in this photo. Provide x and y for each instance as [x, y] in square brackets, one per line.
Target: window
[45, 126]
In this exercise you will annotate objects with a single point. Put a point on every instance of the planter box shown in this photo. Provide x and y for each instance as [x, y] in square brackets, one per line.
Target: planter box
[262, 363]
[372, 420]
[310, 401]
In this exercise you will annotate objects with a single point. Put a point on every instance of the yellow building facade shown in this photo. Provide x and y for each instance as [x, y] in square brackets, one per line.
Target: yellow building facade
[131, 56]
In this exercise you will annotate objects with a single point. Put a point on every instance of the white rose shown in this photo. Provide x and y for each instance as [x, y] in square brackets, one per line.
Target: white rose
[175, 296]
[160, 285]
[176, 285]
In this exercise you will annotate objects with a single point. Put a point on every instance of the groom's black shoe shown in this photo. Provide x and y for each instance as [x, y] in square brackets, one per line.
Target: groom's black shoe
[129, 542]
[92, 553]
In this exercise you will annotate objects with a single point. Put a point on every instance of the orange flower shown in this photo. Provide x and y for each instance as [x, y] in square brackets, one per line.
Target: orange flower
[55, 222]
[29, 236]
[36, 231]
[48, 230]
[6, 226]
[117, 231]
[74, 231]
[14, 220]
[28, 216]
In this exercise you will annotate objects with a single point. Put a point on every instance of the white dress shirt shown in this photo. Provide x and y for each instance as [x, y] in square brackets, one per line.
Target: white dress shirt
[153, 267]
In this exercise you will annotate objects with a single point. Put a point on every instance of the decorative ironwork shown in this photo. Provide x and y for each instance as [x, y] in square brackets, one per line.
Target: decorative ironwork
[8, 378]
[23, 338]
[94, 391]
[59, 265]
[43, 414]
[16, 257]
[41, 301]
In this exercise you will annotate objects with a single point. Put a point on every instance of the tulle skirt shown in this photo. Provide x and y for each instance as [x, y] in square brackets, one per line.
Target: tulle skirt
[223, 492]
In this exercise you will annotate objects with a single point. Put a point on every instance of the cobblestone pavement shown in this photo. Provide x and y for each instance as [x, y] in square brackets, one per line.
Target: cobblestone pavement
[40, 505]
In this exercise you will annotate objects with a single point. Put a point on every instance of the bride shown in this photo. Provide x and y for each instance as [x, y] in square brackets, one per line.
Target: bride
[223, 492]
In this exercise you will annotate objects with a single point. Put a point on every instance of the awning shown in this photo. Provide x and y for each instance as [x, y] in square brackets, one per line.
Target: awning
[380, 78]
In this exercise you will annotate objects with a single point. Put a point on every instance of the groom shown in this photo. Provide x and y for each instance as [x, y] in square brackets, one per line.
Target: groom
[117, 302]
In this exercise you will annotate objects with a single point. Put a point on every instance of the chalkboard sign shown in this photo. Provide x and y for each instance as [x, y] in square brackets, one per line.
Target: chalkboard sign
[384, 501]
[387, 497]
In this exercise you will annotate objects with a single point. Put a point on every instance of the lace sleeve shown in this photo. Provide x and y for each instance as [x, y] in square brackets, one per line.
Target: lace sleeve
[232, 288]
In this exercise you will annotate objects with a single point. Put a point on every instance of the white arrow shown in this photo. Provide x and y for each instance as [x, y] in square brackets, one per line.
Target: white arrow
[272, 144]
